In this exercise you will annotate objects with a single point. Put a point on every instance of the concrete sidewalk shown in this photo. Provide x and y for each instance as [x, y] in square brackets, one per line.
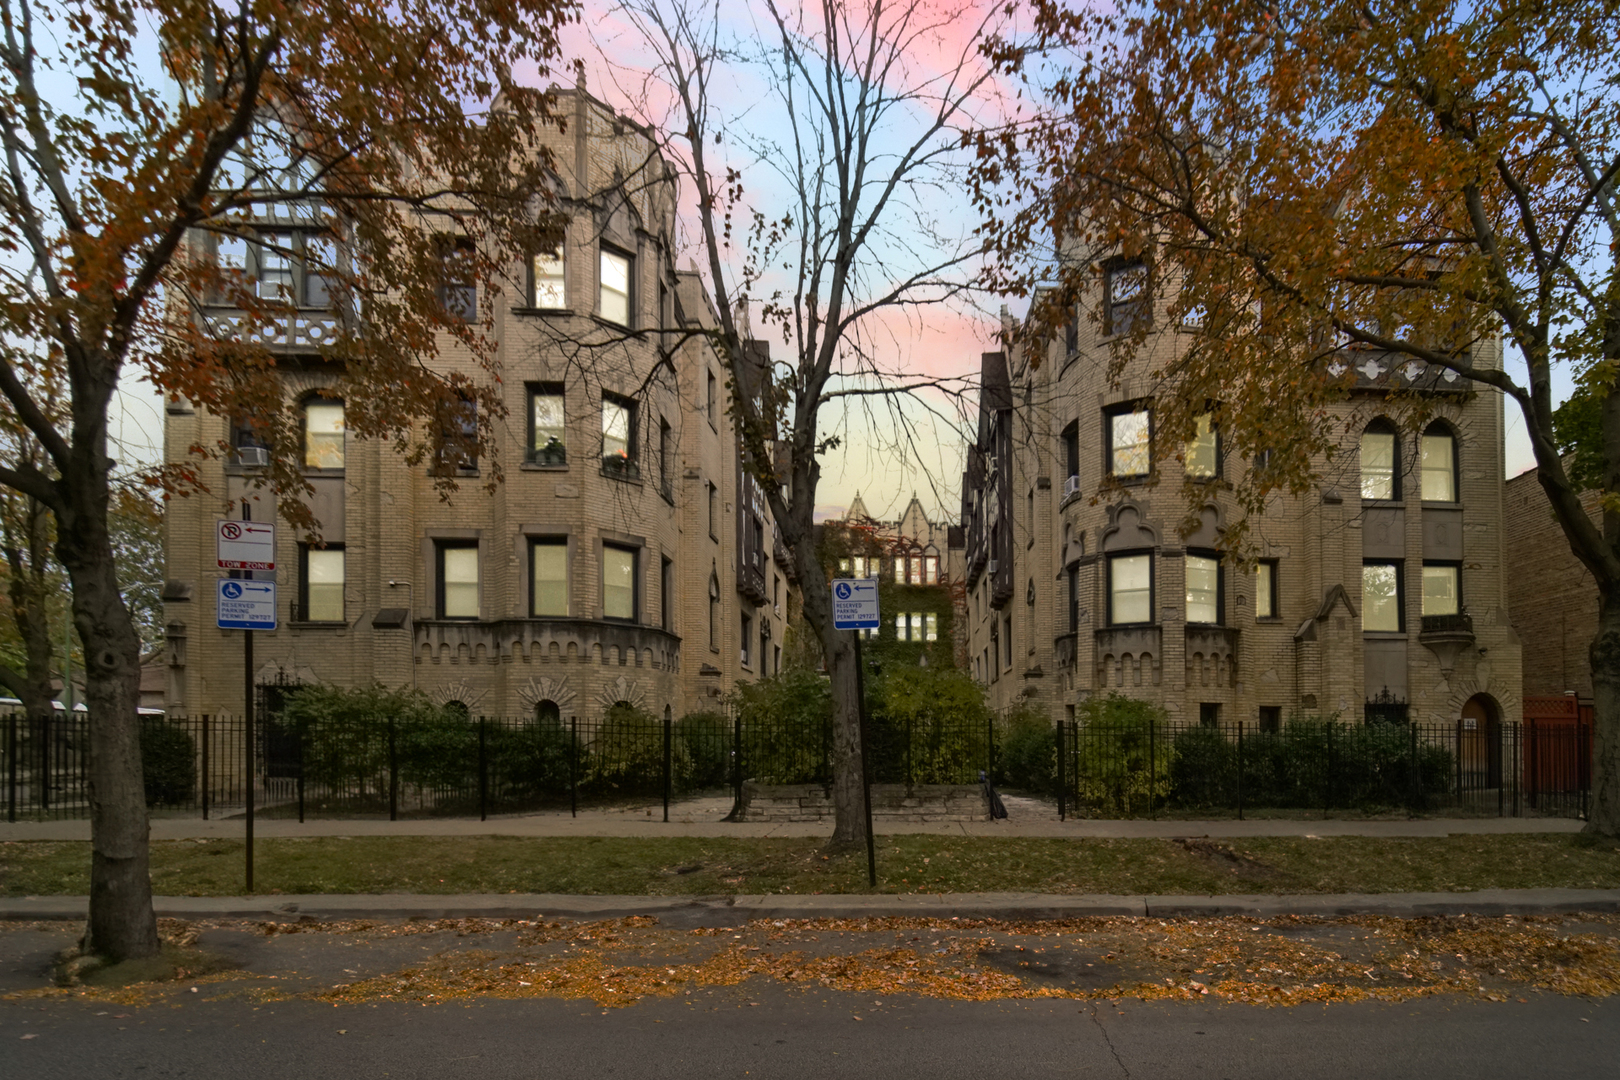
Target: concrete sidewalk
[689, 911]
[705, 817]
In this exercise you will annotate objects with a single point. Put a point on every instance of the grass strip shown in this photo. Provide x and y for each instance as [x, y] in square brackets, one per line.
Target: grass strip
[923, 864]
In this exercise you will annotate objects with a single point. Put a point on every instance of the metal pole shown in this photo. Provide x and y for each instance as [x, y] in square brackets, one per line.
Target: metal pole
[908, 755]
[669, 761]
[866, 772]
[1153, 803]
[205, 766]
[1501, 790]
[298, 737]
[393, 773]
[1327, 778]
[247, 690]
[45, 762]
[1583, 777]
[1240, 770]
[483, 771]
[1459, 762]
[737, 765]
[573, 766]
[1411, 766]
[11, 768]
[1061, 785]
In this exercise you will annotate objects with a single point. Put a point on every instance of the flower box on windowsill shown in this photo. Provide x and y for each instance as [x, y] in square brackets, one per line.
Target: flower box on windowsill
[552, 455]
[621, 467]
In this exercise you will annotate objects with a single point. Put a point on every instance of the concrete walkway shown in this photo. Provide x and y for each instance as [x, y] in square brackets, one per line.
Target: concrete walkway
[688, 911]
[705, 817]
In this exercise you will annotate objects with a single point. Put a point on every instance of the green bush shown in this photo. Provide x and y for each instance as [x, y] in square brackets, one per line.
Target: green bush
[168, 764]
[787, 727]
[1026, 754]
[343, 738]
[939, 714]
[627, 755]
[528, 764]
[1123, 755]
[707, 737]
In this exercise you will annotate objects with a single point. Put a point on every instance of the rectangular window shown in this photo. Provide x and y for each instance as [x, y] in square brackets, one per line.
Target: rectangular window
[1130, 589]
[1378, 465]
[861, 567]
[1209, 713]
[458, 288]
[274, 256]
[666, 460]
[548, 426]
[711, 403]
[843, 566]
[550, 280]
[1074, 599]
[457, 446]
[458, 581]
[1381, 598]
[614, 304]
[323, 434]
[323, 584]
[714, 512]
[930, 569]
[1203, 589]
[1071, 334]
[1130, 436]
[1071, 450]
[747, 638]
[1126, 292]
[1006, 640]
[916, 626]
[666, 593]
[900, 625]
[1271, 718]
[931, 626]
[1265, 589]
[548, 577]
[1439, 469]
[914, 570]
[619, 437]
[1441, 594]
[618, 583]
[1203, 457]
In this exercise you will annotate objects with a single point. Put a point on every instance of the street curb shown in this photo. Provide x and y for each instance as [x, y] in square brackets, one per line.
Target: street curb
[685, 911]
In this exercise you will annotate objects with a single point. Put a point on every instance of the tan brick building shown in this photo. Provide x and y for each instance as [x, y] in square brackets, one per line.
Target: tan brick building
[625, 557]
[1387, 582]
[1552, 596]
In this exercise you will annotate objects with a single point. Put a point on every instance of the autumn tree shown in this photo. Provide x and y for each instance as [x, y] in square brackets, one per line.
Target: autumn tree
[817, 225]
[1420, 180]
[146, 143]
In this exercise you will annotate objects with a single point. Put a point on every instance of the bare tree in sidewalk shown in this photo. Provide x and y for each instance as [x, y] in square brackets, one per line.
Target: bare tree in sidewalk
[855, 136]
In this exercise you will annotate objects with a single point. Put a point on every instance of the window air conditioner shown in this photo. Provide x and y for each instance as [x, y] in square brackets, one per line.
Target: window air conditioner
[252, 457]
[1071, 486]
[993, 564]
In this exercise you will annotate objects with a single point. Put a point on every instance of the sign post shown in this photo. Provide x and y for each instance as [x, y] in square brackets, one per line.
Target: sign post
[244, 604]
[855, 607]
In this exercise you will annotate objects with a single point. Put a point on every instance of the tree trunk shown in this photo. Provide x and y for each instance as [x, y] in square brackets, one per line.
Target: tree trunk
[1603, 816]
[838, 646]
[122, 924]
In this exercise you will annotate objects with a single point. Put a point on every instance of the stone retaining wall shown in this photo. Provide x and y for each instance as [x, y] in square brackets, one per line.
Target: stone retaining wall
[890, 802]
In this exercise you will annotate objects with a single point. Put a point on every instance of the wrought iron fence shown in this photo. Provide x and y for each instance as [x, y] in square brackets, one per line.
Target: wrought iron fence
[453, 765]
[1507, 769]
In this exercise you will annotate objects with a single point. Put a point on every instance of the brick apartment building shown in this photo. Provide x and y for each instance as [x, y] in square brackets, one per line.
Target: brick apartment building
[1383, 590]
[626, 557]
[1551, 595]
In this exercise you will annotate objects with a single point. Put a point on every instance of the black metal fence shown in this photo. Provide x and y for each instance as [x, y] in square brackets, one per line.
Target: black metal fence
[450, 765]
[1505, 769]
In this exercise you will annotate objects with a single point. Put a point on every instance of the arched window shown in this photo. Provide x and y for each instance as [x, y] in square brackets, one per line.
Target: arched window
[457, 709]
[547, 713]
[1439, 464]
[323, 433]
[1380, 462]
[714, 610]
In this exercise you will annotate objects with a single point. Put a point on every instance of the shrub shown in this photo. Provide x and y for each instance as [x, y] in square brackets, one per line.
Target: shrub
[707, 738]
[627, 755]
[168, 764]
[1124, 757]
[938, 714]
[787, 727]
[1026, 757]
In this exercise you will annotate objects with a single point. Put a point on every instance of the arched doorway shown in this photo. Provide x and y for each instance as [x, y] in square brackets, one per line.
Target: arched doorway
[1480, 743]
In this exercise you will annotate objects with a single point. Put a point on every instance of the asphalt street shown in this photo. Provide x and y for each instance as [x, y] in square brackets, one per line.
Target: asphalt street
[772, 1032]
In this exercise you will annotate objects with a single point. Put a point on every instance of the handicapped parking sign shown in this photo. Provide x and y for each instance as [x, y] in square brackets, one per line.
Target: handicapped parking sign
[855, 603]
[246, 605]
